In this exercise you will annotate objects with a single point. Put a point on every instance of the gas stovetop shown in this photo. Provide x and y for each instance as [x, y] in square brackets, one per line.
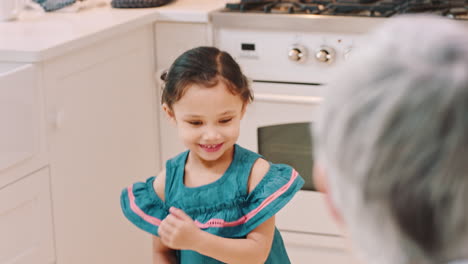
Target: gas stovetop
[457, 9]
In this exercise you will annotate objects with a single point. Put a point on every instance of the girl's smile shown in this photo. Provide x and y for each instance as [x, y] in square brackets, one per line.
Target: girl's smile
[211, 147]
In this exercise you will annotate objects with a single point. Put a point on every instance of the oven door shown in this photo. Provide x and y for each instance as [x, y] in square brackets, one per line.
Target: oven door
[277, 125]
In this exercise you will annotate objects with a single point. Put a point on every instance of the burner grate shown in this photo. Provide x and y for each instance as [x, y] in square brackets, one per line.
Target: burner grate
[373, 8]
[290, 7]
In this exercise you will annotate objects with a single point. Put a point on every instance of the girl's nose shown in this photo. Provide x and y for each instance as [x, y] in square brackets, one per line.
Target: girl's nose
[211, 133]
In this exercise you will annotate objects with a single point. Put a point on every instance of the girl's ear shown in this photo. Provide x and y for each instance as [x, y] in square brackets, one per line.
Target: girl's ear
[169, 112]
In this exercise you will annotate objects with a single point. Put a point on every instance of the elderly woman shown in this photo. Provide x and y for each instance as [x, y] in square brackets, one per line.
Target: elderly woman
[392, 153]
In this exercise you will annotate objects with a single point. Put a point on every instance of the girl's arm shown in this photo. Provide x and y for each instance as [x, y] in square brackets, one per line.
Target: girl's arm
[179, 231]
[161, 253]
[253, 249]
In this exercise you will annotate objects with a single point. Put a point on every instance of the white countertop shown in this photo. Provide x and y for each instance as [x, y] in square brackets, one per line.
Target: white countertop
[189, 10]
[37, 36]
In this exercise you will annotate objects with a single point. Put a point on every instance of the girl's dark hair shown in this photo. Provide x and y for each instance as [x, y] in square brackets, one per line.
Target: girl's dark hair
[204, 66]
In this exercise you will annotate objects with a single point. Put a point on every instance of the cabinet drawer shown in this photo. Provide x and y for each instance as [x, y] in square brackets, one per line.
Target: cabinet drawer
[306, 248]
[26, 234]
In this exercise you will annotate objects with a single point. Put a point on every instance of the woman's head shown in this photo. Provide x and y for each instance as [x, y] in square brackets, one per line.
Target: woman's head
[392, 138]
[204, 66]
[205, 96]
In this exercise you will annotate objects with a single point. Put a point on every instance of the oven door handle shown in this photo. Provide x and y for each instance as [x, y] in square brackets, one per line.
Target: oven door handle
[295, 99]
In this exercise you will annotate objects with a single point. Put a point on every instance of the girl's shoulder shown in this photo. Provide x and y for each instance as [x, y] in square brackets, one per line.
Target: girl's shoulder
[266, 175]
[159, 184]
[269, 178]
[259, 169]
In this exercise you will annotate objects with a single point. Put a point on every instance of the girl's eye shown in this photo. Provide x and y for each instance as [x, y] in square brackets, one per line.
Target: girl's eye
[224, 121]
[194, 123]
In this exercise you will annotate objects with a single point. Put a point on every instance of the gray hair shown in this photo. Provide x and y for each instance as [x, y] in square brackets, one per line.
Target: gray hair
[392, 136]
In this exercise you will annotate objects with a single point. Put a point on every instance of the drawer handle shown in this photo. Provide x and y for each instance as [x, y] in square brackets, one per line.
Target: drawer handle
[295, 99]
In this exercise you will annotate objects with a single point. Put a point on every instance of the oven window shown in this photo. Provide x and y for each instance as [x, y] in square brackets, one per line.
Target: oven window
[289, 144]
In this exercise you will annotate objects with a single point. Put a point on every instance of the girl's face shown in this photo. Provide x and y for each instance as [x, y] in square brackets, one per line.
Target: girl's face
[208, 120]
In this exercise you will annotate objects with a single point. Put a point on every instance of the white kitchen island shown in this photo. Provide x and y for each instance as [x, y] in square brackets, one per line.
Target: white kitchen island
[93, 111]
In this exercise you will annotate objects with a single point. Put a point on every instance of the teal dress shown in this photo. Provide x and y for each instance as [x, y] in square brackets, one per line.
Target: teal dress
[223, 208]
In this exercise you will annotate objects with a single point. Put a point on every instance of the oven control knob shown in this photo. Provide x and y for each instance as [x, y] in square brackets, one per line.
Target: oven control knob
[297, 54]
[325, 54]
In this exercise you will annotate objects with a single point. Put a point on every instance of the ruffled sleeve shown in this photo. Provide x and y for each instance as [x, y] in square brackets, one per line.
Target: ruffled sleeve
[143, 207]
[273, 192]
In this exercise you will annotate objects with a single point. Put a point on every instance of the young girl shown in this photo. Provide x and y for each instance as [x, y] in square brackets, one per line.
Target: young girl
[215, 202]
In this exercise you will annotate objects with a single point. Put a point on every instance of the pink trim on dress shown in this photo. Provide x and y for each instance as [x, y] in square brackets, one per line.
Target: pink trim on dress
[216, 222]
[221, 223]
[148, 218]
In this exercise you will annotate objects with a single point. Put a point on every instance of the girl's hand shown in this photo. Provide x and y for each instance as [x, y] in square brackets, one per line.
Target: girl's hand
[178, 230]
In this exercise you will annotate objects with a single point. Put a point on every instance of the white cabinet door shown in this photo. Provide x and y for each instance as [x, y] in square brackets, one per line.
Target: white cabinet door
[22, 144]
[19, 124]
[172, 39]
[102, 137]
[26, 234]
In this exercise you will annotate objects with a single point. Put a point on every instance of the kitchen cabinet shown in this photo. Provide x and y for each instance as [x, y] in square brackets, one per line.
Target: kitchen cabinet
[83, 125]
[172, 39]
[26, 226]
[102, 136]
